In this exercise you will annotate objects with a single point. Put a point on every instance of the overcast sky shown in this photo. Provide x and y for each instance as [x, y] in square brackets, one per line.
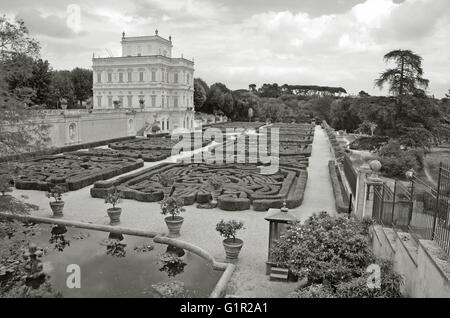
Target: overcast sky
[238, 42]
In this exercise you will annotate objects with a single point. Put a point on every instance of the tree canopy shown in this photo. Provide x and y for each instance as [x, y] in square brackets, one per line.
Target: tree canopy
[406, 77]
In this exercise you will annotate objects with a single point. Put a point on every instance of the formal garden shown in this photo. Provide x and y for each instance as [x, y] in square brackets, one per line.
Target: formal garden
[173, 186]
[141, 220]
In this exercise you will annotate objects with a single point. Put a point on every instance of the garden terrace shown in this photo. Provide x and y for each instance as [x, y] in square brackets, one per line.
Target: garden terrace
[75, 171]
[150, 144]
[146, 155]
[237, 124]
[244, 185]
[58, 150]
[285, 148]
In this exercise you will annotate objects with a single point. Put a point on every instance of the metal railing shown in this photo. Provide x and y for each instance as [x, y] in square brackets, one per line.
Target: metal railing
[441, 230]
[416, 207]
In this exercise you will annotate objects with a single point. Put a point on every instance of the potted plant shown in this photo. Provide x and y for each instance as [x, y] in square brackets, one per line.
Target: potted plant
[173, 207]
[228, 230]
[114, 198]
[116, 104]
[142, 104]
[57, 206]
[216, 184]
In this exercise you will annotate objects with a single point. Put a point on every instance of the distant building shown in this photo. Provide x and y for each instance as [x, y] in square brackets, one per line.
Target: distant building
[147, 78]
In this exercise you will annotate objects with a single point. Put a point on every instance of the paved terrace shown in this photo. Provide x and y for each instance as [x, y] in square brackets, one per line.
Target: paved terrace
[249, 279]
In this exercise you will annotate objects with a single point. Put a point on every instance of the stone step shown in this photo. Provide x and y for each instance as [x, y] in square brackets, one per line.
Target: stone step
[279, 274]
[278, 277]
[278, 270]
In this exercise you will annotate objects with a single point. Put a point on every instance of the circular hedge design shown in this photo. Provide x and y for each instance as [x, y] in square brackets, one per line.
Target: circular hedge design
[244, 185]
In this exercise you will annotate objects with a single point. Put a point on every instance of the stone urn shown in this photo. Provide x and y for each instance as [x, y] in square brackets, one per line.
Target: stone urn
[232, 248]
[174, 225]
[57, 208]
[114, 215]
[215, 195]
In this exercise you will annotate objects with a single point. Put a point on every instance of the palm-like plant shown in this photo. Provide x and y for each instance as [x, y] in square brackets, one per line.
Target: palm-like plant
[406, 78]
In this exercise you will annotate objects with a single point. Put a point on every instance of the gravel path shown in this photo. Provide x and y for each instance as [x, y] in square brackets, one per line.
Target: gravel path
[249, 279]
[319, 192]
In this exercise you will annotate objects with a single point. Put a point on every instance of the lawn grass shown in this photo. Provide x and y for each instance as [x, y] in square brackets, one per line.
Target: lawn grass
[433, 159]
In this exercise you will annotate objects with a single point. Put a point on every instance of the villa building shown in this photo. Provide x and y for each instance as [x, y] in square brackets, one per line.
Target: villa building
[146, 78]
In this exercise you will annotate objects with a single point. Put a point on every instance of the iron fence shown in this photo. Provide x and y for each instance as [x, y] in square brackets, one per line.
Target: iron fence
[422, 220]
[441, 230]
[392, 207]
[417, 207]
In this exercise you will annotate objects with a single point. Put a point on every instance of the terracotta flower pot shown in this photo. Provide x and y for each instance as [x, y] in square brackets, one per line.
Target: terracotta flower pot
[57, 208]
[232, 248]
[114, 215]
[174, 225]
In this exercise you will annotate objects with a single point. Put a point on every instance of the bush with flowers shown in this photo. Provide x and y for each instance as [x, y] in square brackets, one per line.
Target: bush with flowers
[325, 249]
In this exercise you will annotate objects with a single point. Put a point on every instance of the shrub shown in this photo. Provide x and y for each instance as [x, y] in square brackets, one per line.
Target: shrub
[396, 161]
[56, 192]
[216, 181]
[323, 249]
[313, 291]
[366, 223]
[165, 179]
[171, 206]
[228, 229]
[357, 288]
[5, 185]
[114, 197]
[368, 143]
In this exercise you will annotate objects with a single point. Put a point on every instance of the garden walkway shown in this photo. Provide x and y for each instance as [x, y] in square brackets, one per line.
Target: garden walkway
[249, 279]
[319, 192]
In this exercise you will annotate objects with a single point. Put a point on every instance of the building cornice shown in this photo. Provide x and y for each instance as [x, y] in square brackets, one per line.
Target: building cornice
[142, 59]
[146, 38]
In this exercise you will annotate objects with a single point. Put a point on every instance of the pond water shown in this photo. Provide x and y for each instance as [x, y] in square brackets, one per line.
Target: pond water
[120, 266]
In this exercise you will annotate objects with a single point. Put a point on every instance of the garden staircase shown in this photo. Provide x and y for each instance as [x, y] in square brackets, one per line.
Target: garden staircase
[279, 274]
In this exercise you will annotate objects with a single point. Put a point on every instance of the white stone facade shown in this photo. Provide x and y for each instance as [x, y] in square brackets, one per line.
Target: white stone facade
[146, 72]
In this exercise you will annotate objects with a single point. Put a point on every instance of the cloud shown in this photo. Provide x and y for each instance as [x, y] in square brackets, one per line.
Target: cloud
[50, 25]
[238, 42]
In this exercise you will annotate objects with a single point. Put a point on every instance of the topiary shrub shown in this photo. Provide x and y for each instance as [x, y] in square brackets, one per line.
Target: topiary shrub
[324, 249]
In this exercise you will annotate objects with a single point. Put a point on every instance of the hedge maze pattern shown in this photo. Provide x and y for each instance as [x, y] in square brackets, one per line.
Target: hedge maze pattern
[285, 148]
[235, 124]
[74, 170]
[244, 185]
[149, 144]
